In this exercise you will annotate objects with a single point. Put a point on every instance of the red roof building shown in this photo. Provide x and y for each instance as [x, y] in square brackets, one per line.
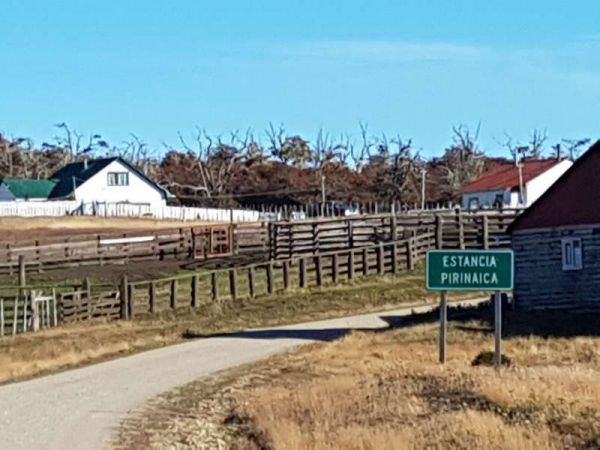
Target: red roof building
[556, 242]
[500, 186]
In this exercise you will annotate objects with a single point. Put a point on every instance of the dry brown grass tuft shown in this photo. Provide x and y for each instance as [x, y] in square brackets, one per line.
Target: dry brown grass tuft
[387, 391]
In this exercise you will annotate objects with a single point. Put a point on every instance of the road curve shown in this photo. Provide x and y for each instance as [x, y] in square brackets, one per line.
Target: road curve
[78, 409]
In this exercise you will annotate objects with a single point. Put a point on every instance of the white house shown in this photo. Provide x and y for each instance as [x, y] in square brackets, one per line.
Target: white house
[500, 187]
[107, 180]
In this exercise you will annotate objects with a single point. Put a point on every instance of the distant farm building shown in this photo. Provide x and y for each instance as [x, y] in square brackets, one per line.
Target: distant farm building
[106, 180]
[557, 241]
[500, 187]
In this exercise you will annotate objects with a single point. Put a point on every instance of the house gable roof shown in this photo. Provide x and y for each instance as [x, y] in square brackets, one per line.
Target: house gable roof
[572, 200]
[505, 175]
[23, 188]
[77, 173]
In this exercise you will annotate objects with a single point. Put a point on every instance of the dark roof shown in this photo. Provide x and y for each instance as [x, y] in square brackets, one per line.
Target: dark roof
[78, 173]
[505, 175]
[572, 200]
[26, 188]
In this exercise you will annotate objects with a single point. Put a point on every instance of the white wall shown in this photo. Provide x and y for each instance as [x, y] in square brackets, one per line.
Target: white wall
[540, 184]
[96, 189]
[486, 198]
[531, 191]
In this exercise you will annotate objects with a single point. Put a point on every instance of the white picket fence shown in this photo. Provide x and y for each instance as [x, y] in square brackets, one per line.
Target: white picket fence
[64, 208]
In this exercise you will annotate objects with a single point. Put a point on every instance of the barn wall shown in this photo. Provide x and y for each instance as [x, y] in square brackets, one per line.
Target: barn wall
[540, 281]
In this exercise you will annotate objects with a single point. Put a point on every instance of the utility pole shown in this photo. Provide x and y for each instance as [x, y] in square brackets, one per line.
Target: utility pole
[423, 173]
[323, 196]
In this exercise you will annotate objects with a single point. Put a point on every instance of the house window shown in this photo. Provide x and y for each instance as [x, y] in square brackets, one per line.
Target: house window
[572, 254]
[499, 201]
[473, 203]
[118, 179]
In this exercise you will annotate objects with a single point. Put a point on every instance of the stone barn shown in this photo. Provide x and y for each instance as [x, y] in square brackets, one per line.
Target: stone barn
[557, 241]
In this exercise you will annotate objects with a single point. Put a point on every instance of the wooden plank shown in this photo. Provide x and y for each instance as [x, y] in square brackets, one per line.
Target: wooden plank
[270, 279]
[319, 270]
[351, 265]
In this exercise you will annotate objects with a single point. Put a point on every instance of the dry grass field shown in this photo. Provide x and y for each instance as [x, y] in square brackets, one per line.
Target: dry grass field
[73, 345]
[28, 228]
[386, 390]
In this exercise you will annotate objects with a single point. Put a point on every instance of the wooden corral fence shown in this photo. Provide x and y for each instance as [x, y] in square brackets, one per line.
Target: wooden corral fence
[117, 248]
[267, 278]
[33, 308]
[458, 229]
[27, 310]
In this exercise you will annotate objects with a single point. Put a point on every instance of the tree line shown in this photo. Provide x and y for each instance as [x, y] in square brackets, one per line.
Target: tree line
[281, 167]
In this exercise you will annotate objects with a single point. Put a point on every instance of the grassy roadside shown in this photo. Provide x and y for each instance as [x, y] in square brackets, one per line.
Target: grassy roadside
[385, 390]
[74, 345]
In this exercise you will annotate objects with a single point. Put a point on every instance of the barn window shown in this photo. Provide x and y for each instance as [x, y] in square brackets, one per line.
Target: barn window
[473, 203]
[118, 179]
[572, 254]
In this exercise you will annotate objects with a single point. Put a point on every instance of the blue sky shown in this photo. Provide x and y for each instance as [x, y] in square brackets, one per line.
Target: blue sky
[412, 68]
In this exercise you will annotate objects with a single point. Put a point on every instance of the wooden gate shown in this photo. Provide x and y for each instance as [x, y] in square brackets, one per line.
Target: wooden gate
[212, 241]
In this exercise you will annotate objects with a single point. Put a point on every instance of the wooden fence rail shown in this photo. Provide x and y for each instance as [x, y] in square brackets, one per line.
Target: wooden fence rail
[118, 248]
[248, 282]
[454, 230]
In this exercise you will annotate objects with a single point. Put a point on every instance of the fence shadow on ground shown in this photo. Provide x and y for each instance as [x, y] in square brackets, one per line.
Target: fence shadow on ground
[461, 313]
[476, 319]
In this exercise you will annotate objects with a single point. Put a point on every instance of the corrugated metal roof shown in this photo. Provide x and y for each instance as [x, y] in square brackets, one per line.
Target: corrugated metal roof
[23, 188]
[506, 175]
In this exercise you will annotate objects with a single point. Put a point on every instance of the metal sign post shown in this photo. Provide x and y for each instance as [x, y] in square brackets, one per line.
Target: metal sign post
[443, 325]
[497, 329]
[470, 270]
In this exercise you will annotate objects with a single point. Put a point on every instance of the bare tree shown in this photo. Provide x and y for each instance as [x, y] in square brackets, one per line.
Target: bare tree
[462, 162]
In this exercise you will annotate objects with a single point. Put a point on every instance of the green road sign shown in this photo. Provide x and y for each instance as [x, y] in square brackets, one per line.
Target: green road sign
[470, 270]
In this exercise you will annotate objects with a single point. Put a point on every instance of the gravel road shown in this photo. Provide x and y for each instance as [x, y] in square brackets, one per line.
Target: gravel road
[78, 409]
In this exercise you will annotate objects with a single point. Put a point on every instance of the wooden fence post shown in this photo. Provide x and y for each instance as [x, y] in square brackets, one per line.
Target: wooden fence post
[87, 287]
[365, 261]
[461, 229]
[319, 270]
[286, 275]
[410, 262]
[131, 297]
[214, 286]
[439, 232]
[394, 248]
[22, 271]
[195, 282]
[303, 275]
[251, 281]
[270, 280]
[486, 232]
[351, 265]
[233, 286]
[123, 293]
[173, 296]
[152, 296]
[380, 260]
[335, 268]
[350, 234]
[1, 317]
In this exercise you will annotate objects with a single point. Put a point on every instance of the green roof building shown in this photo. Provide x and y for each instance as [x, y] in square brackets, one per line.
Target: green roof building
[26, 189]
